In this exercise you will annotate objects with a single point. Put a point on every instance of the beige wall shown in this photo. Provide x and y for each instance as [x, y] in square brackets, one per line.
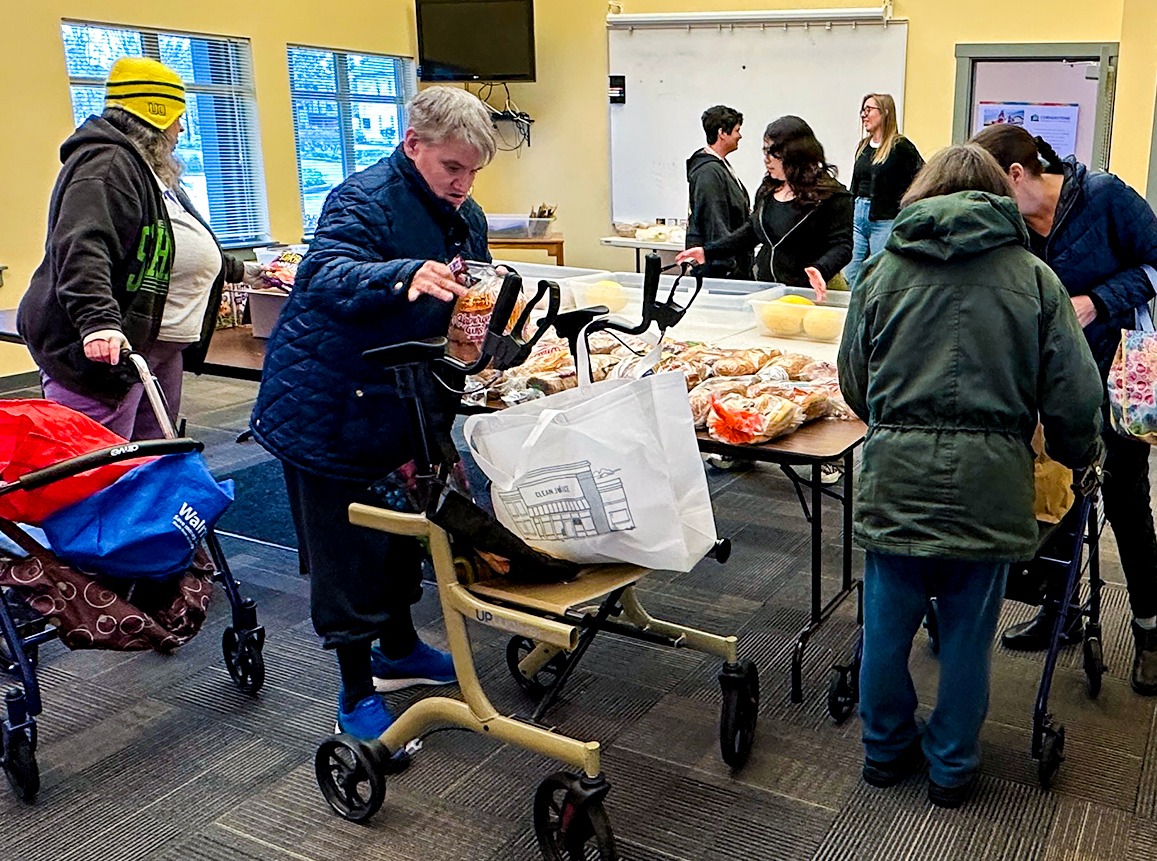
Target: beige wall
[567, 163]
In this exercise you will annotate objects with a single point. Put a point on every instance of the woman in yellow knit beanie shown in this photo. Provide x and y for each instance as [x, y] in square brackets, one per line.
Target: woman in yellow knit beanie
[128, 260]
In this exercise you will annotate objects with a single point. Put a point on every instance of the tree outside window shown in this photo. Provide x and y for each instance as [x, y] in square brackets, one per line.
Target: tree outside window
[348, 113]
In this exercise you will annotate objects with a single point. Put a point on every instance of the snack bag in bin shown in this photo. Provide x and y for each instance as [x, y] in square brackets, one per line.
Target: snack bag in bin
[472, 311]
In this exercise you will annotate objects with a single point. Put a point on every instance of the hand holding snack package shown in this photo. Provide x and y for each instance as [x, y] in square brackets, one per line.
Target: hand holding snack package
[282, 271]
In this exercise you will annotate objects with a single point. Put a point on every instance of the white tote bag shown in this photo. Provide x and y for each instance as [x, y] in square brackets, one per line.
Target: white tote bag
[606, 472]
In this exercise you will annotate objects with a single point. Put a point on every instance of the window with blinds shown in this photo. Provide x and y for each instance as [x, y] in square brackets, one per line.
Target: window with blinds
[220, 146]
[348, 112]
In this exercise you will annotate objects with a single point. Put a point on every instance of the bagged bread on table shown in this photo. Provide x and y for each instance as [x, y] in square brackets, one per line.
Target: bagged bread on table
[818, 371]
[741, 363]
[700, 396]
[793, 363]
[740, 420]
[549, 355]
[693, 372]
[813, 400]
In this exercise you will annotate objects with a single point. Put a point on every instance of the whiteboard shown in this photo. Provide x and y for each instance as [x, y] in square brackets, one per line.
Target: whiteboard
[674, 74]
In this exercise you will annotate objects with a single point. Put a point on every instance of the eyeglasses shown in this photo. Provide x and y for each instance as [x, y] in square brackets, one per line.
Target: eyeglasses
[770, 151]
[867, 109]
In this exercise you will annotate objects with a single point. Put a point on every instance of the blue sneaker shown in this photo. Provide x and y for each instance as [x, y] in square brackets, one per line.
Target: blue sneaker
[368, 720]
[424, 666]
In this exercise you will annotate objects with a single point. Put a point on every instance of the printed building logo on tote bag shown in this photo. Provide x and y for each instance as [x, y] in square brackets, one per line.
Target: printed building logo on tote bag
[568, 501]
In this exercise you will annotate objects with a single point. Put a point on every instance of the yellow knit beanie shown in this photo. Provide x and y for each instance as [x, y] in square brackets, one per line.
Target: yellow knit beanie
[146, 89]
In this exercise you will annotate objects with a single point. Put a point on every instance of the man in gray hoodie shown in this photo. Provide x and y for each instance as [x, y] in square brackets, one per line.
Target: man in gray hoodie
[718, 201]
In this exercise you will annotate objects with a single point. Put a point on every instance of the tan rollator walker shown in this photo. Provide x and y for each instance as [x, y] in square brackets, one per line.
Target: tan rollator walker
[552, 620]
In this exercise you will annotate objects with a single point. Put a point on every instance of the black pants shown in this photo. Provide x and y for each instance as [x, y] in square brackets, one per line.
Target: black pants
[1126, 495]
[361, 582]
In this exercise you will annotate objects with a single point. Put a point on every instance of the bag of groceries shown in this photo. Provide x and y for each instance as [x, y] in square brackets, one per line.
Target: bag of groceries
[1133, 386]
[606, 472]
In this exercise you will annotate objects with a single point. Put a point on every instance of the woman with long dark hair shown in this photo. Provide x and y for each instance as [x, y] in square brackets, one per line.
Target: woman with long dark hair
[1098, 235]
[802, 215]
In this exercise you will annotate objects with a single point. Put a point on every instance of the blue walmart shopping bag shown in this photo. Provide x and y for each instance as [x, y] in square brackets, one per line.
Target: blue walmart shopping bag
[146, 524]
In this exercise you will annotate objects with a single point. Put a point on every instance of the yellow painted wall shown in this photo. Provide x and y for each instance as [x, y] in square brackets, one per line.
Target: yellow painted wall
[567, 163]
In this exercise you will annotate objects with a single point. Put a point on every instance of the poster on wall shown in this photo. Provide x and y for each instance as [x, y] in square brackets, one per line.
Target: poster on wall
[1055, 122]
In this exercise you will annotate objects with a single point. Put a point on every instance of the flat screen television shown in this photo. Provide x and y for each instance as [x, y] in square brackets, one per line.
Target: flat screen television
[475, 40]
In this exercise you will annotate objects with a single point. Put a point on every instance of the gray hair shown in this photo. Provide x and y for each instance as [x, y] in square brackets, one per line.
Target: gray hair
[152, 143]
[439, 113]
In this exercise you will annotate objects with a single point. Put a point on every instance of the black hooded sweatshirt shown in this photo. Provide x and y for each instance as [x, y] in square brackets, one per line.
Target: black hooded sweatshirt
[719, 205]
[106, 264]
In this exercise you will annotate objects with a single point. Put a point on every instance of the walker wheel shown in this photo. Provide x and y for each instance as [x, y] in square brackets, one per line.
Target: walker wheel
[842, 697]
[350, 776]
[243, 659]
[20, 767]
[1094, 663]
[740, 683]
[1052, 754]
[516, 650]
[570, 823]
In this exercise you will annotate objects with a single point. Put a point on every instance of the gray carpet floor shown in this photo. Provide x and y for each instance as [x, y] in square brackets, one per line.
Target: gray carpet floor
[149, 756]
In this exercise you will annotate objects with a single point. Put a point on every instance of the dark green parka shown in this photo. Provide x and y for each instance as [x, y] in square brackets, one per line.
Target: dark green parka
[957, 338]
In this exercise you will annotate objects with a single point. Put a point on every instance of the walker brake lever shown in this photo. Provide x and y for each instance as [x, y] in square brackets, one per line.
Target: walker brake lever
[669, 313]
[503, 351]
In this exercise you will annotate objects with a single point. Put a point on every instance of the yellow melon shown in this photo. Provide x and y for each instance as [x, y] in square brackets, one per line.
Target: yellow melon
[781, 318]
[609, 293]
[823, 324]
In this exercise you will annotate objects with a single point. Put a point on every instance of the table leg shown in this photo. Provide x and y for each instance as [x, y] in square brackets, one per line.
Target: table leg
[847, 501]
[817, 610]
[638, 264]
[558, 254]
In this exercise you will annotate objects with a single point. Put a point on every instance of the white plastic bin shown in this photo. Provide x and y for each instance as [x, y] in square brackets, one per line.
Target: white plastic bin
[264, 306]
[510, 226]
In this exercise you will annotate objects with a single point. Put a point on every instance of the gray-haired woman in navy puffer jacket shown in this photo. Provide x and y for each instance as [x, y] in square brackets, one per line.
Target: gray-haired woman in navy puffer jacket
[1097, 234]
[376, 274]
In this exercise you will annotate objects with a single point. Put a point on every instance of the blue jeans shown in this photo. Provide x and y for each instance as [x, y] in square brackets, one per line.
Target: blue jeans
[868, 238]
[896, 591]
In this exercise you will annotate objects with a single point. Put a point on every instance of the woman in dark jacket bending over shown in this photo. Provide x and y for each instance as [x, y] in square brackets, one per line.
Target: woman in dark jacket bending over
[957, 339]
[1096, 233]
[802, 217]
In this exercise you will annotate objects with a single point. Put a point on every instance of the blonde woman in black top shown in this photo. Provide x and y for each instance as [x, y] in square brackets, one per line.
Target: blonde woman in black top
[886, 164]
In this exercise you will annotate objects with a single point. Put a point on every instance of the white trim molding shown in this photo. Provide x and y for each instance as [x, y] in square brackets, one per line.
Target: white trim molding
[663, 20]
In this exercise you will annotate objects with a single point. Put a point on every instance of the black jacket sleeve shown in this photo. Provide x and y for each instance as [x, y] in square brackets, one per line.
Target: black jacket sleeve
[743, 239]
[708, 196]
[96, 224]
[836, 214]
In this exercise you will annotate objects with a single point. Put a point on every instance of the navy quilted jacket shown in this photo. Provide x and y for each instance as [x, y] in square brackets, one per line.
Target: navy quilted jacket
[1104, 232]
[321, 406]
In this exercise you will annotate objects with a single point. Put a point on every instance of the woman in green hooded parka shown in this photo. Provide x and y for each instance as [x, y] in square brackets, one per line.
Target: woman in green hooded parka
[957, 340]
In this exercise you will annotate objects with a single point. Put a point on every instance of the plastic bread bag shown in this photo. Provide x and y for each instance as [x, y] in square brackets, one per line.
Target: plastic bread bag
[817, 371]
[471, 316]
[793, 363]
[813, 400]
[740, 420]
[741, 363]
[700, 396]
